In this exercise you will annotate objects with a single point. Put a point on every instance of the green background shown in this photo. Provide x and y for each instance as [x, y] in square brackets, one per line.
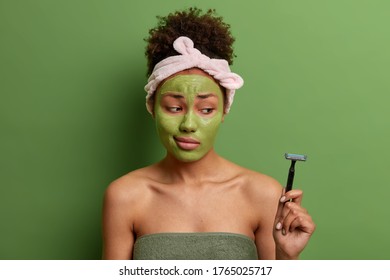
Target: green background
[73, 119]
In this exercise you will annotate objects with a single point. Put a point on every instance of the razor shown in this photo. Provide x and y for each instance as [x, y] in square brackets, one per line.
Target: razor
[294, 158]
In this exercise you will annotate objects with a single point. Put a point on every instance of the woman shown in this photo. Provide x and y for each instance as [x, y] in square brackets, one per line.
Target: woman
[194, 204]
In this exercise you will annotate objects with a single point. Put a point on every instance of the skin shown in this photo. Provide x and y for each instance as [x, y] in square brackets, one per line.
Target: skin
[196, 190]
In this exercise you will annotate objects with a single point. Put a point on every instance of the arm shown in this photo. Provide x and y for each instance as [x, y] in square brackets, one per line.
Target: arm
[265, 242]
[118, 236]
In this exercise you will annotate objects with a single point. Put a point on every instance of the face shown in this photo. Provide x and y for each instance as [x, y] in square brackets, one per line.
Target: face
[188, 111]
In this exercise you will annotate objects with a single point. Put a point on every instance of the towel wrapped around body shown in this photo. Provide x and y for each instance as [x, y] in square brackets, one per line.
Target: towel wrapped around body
[195, 246]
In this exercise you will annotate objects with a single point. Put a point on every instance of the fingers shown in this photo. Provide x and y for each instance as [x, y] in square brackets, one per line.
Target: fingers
[291, 216]
[280, 207]
[304, 223]
[293, 195]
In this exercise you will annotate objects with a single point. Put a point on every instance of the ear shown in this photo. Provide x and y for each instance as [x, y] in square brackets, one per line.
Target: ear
[223, 118]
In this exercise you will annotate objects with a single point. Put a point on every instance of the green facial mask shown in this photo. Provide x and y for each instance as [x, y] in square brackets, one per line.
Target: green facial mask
[182, 113]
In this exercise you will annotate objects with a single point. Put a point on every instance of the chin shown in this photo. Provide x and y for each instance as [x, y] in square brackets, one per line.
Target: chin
[188, 157]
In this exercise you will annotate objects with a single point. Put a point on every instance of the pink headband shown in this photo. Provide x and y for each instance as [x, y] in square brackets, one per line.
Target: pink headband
[190, 58]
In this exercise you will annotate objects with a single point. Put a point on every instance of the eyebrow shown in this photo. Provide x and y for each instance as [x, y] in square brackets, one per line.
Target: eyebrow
[204, 96]
[200, 96]
[177, 96]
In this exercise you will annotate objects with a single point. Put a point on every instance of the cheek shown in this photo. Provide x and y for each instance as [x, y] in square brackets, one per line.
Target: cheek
[210, 126]
[167, 124]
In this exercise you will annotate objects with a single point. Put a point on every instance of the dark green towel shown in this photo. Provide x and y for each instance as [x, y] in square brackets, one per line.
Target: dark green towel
[195, 246]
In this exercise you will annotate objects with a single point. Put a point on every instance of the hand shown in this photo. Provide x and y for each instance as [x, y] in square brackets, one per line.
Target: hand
[293, 226]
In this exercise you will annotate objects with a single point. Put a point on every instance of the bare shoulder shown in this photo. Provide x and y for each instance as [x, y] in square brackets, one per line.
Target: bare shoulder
[263, 184]
[258, 186]
[129, 187]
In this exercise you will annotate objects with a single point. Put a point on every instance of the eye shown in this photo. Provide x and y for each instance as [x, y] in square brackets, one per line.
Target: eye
[174, 109]
[207, 110]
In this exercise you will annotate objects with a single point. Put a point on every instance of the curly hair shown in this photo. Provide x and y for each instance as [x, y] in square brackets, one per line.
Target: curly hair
[211, 36]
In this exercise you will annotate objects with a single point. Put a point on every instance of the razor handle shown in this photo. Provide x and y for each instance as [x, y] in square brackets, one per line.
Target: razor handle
[290, 178]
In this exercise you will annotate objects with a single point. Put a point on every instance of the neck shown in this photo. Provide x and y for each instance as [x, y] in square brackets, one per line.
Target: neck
[198, 171]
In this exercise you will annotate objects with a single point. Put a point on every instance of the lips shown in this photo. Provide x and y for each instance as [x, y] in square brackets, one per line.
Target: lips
[186, 143]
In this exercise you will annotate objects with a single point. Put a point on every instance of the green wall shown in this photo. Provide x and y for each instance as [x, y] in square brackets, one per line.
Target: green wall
[72, 115]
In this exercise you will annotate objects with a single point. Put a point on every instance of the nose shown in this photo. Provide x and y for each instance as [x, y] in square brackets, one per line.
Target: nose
[188, 123]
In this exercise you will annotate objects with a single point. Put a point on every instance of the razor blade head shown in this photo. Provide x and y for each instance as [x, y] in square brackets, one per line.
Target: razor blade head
[295, 157]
